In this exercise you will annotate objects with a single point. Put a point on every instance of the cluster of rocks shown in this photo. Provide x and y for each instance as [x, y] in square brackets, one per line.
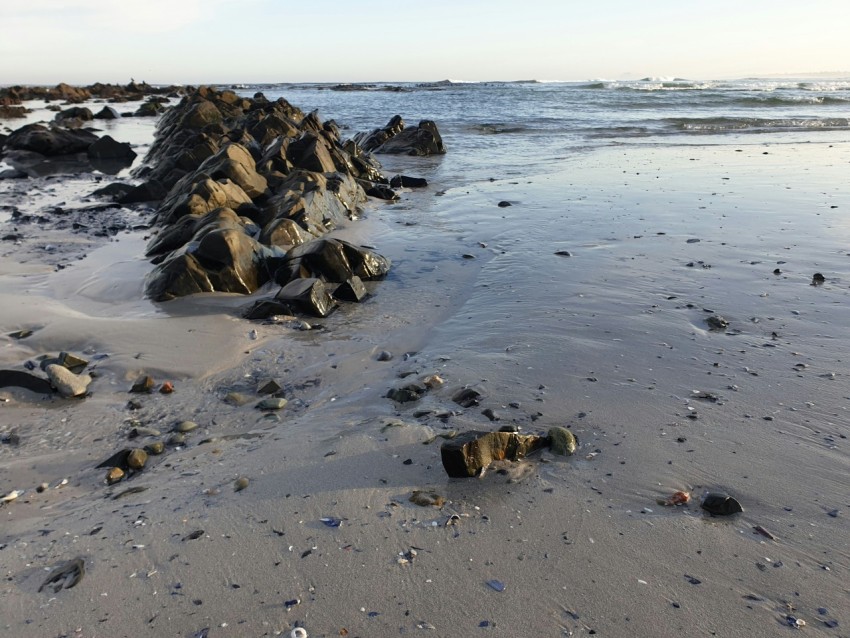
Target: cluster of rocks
[469, 454]
[63, 375]
[12, 97]
[251, 186]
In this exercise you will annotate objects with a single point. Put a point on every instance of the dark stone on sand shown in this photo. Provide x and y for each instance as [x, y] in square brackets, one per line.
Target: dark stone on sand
[467, 397]
[265, 308]
[49, 142]
[717, 323]
[107, 148]
[107, 113]
[25, 380]
[490, 414]
[352, 289]
[307, 295]
[403, 181]
[504, 204]
[143, 385]
[384, 355]
[470, 453]
[818, 279]
[407, 394]
[718, 504]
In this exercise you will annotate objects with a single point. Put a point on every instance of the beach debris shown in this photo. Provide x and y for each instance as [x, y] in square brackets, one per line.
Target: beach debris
[406, 558]
[432, 381]
[467, 397]
[470, 453]
[331, 521]
[166, 388]
[11, 496]
[289, 604]
[496, 585]
[718, 504]
[793, 621]
[240, 484]
[427, 498]
[563, 253]
[692, 580]
[818, 279]
[562, 441]
[384, 355]
[717, 323]
[675, 499]
[66, 382]
[202, 633]
[143, 385]
[298, 632]
[66, 575]
[194, 535]
[504, 204]
[758, 529]
[832, 513]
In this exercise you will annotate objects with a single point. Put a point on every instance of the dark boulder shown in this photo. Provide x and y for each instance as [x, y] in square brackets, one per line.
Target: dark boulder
[307, 295]
[374, 139]
[8, 112]
[312, 153]
[149, 191]
[114, 191]
[81, 113]
[331, 260]
[224, 260]
[50, 142]
[470, 453]
[380, 191]
[403, 181]
[107, 148]
[352, 289]
[420, 140]
[107, 113]
[149, 109]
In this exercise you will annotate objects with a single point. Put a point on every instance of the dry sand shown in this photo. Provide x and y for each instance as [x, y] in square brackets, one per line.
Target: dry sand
[611, 341]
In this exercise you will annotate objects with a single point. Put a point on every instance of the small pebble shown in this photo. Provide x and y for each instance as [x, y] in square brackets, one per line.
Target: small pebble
[240, 484]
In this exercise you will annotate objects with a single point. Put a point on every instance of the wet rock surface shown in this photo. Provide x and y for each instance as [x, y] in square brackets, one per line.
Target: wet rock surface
[470, 453]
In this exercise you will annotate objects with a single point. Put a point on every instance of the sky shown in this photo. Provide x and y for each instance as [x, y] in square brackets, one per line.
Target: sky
[248, 41]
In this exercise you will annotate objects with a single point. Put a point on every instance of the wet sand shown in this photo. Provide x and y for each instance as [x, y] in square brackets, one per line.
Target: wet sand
[610, 341]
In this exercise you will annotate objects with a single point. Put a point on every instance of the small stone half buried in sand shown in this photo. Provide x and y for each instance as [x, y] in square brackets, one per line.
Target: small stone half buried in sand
[114, 475]
[272, 403]
[718, 504]
[240, 484]
[427, 498]
[562, 441]
[470, 453]
[143, 385]
[137, 458]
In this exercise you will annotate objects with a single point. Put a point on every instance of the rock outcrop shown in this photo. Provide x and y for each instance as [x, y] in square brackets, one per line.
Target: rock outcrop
[397, 139]
[253, 187]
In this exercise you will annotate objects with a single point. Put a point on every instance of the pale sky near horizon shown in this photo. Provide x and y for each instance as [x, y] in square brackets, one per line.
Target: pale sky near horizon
[218, 41]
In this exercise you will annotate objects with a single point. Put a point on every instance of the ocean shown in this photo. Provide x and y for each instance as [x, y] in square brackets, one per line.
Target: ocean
[498, 128]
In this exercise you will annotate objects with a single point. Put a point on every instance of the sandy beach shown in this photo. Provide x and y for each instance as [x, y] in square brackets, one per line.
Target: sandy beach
[609, 338]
